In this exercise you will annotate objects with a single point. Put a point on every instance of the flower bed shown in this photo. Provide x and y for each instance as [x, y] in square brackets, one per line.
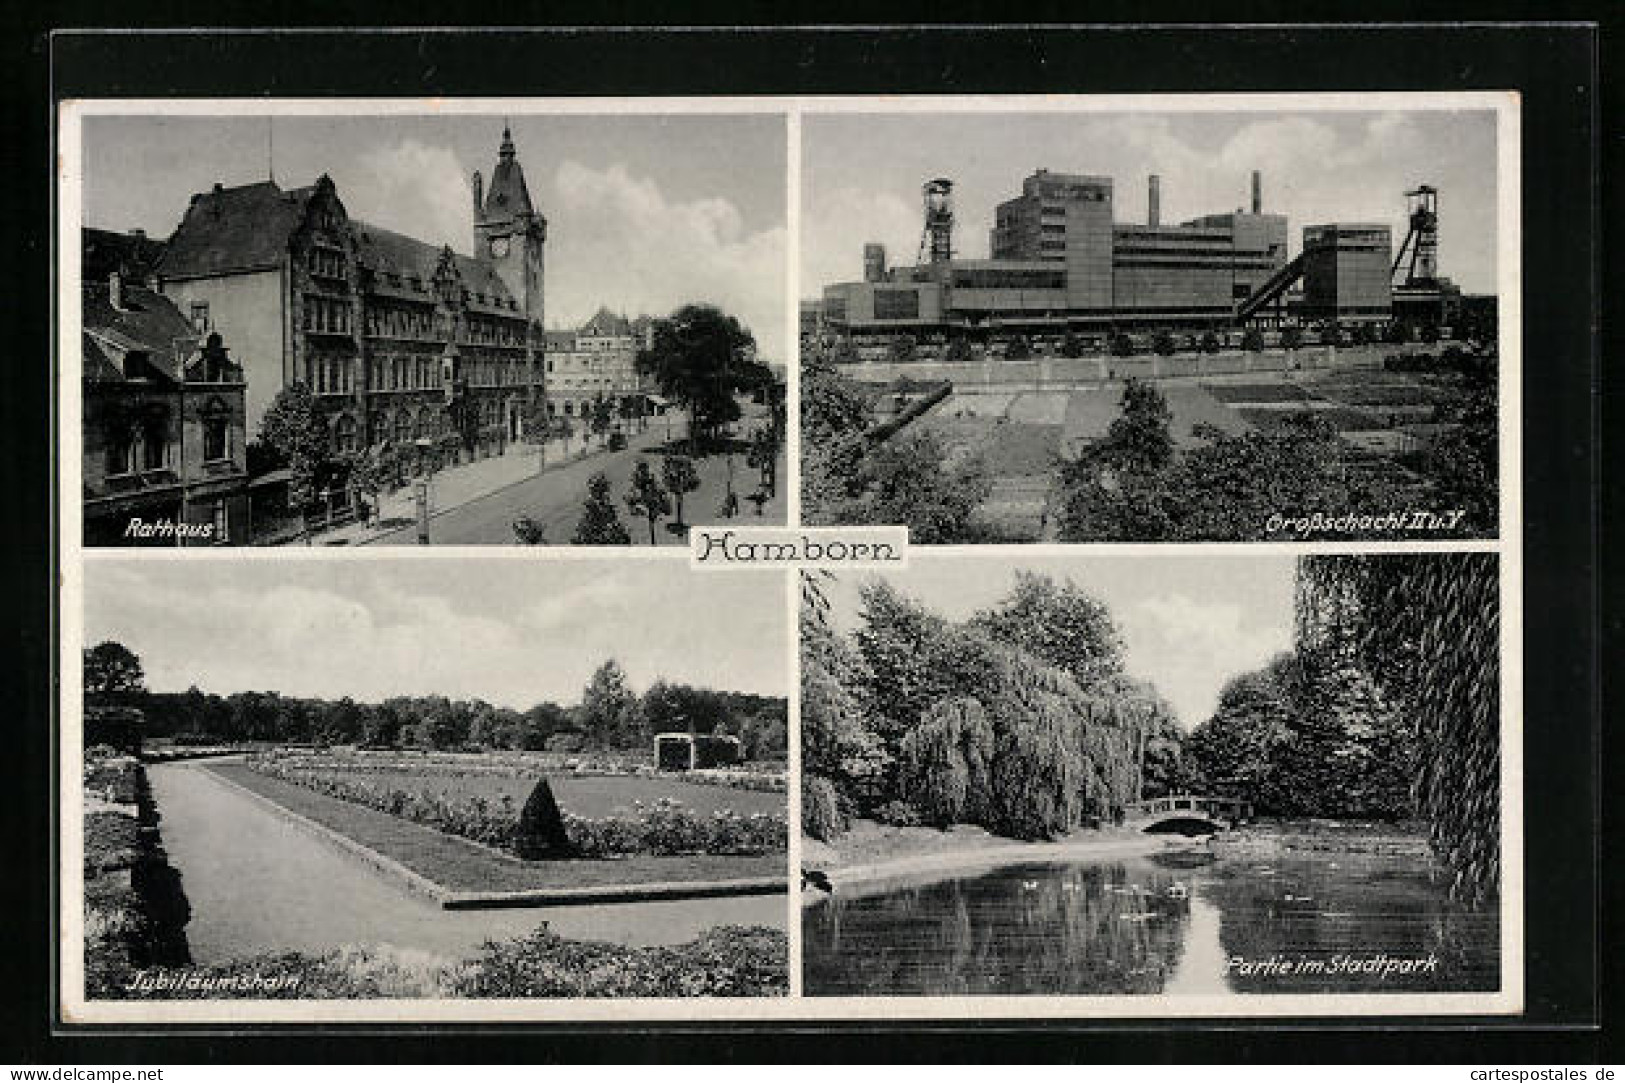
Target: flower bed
[760, 778]
[664, 828]
[727, 961]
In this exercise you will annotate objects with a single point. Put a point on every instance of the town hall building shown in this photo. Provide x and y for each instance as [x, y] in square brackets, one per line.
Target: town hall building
[401, 342]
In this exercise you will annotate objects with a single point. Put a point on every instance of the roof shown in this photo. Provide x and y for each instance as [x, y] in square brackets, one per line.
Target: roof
[234, 229]
[149, 323]
[559, 341]
[384, 250]
[605, 324]
[103, 251]
[250, 228]
[507, 197]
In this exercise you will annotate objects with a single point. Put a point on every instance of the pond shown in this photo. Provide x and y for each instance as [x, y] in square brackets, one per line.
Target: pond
[258, 884]
[1176, 922]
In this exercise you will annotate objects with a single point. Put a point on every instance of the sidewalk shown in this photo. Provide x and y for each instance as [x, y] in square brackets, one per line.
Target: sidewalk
[458, 485]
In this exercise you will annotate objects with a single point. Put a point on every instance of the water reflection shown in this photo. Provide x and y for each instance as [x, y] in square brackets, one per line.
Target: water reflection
[1176, 922]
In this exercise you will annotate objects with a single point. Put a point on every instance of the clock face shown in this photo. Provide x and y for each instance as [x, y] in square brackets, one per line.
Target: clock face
[499, 247]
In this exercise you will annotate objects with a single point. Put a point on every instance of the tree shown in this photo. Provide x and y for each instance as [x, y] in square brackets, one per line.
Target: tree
[900, 351]
[958, 352]
[541, 834]
[1292, 338]
[698, 357]
[946, 762]
[1019, 349]
[1429, 333]
[764, 456]
[906, 481]
[602, 418]
[609, 713]
[1163, 343]
[112, 672]
[1235, 751]
[646, 498]
[680, 477]
[1210, 342]
[295, 430]
[1252, 340]
[563, 428]
[369, 471]
[1122, 345]
[1059, 623]
[1427, 628]
[1072, 345]
[1463, 464]
[600, 523]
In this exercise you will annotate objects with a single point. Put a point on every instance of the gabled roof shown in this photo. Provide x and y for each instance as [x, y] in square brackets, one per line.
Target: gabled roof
[559, 341]
[605, 324]
[102, 252]
[147, 324]
[235, 229]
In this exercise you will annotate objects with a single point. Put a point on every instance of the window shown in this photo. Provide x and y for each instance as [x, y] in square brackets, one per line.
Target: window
[120, 452]
[222, 523]
[200, 316]
[153, 446]
[216, 439]
[347, 433]
[403, 428]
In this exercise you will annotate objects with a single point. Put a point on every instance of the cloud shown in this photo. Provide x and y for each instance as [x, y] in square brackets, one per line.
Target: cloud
[615, 239]
[496, 631]
[840, 221]
[412, 188]
[1189, 648]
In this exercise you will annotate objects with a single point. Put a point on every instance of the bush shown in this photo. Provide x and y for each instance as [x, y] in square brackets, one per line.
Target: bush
[1122, 345]
[821, 816]
[727, 961]
[1210, 342]
[900, 814]
[541, 833]
[1252, 340]
[1163, 343]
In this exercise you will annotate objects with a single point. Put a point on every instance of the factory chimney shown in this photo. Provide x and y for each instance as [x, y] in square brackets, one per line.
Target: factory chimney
[1154, 197]
[1258, 193]
[874, 263]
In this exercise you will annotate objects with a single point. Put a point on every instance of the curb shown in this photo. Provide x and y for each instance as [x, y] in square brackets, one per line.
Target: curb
[447, 899]
[690, 889]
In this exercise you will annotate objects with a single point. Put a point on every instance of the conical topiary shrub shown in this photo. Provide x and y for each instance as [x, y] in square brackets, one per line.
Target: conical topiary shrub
[541, 826]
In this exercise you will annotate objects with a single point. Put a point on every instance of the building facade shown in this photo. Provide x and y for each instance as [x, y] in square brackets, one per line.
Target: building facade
[164, 447]
[401, 342]
[598, 361]
[1060, 262]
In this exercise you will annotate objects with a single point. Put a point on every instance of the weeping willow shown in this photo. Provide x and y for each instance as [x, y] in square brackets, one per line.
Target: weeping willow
[1427, 629]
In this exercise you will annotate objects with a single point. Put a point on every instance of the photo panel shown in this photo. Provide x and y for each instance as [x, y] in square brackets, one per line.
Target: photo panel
[1233, 783]
[336, 789]
[389, 324]
[1182, 319]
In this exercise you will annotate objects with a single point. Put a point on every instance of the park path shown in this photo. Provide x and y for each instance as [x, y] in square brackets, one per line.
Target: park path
[259, 883]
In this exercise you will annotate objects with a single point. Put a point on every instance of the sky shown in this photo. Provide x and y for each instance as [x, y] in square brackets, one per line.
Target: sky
[644, 213]
[862, 175]
[1189, 623]
[511, 632]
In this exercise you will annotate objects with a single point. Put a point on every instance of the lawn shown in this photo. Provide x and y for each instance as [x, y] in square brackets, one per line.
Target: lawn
[459, 865]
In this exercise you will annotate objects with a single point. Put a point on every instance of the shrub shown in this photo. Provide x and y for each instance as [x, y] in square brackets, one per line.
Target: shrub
[1252, 340]
[821, 816]
[1122, 345]
[899, 814]
[541, 833]
[727, 961]
[1210, 342]
[1163, 343]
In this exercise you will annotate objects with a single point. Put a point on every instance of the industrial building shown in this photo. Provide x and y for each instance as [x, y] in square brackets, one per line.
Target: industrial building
[1061, 262]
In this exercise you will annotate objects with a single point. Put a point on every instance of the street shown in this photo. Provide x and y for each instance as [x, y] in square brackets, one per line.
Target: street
[554, 499]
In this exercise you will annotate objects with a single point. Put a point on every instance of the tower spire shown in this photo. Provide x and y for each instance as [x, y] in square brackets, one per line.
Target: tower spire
[507, 151]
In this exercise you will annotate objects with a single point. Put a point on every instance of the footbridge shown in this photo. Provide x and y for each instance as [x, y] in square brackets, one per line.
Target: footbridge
[1187, 814]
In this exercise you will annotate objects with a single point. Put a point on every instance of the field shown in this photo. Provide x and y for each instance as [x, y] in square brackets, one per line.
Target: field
[1020, 433]
[458, 864]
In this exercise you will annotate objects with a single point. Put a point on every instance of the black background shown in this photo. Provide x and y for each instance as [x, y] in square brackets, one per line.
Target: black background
[1554, 67]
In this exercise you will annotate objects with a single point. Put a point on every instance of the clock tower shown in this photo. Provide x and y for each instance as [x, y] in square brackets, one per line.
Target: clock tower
[509, 233]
